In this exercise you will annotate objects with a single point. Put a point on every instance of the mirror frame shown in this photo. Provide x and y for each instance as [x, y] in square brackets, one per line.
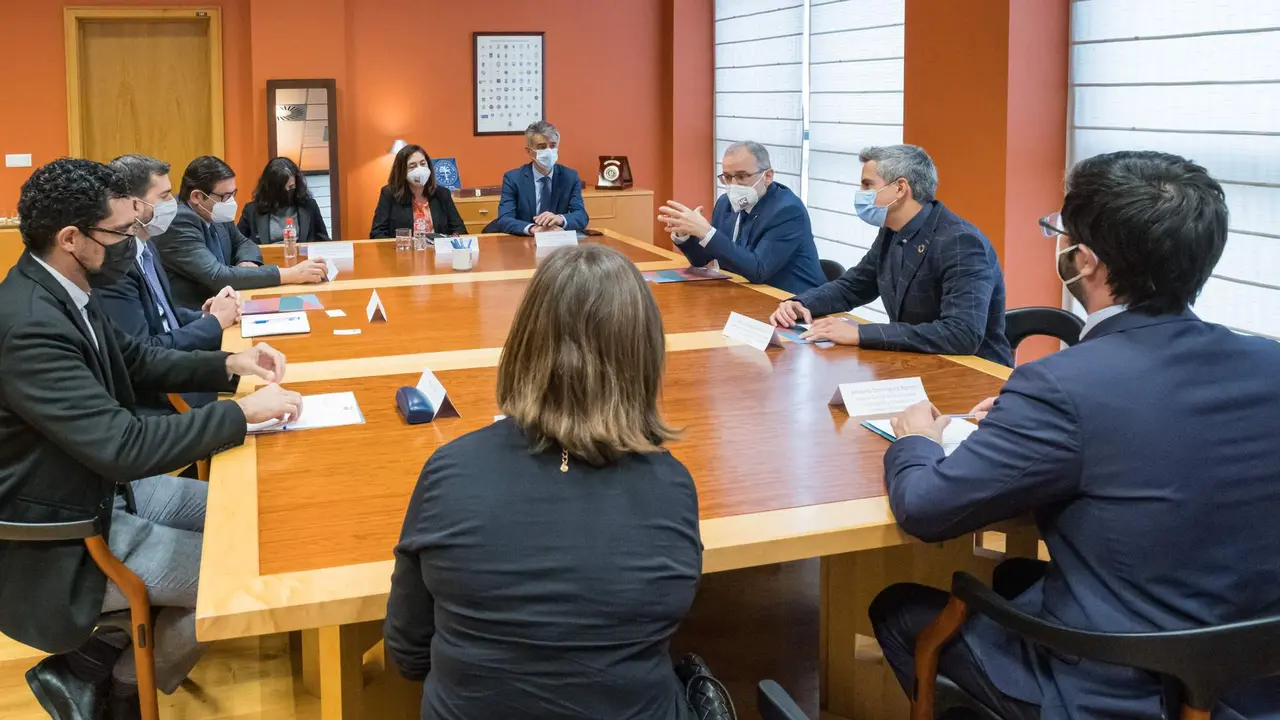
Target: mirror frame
[331, 87]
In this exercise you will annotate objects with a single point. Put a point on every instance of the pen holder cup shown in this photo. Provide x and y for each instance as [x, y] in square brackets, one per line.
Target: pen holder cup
[461, 260]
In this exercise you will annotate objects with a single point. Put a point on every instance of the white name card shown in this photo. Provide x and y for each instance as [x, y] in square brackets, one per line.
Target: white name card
[374, 310]
[756, 334]
[441, 406]
[555, 239]
[331, 270]
[879, 398]
[331, 250]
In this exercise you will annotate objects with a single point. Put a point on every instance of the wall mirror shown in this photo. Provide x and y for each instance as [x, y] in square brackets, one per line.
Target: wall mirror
[302, 125]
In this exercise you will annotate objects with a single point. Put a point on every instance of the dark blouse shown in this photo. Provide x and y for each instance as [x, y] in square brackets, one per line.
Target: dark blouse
[392, 214]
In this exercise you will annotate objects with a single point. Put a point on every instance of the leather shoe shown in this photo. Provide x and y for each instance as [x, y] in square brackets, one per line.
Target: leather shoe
[124, 707]
[63, 695]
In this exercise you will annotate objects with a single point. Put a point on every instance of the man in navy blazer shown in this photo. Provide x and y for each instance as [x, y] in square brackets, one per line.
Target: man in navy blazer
[759, 229]
[1147, 455]
[542, 195]
[937, 274]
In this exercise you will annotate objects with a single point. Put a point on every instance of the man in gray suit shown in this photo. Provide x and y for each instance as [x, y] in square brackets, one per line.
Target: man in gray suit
[203, 251]
[73, 447]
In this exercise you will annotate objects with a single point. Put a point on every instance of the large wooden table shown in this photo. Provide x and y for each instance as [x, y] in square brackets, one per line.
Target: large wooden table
[301, 526]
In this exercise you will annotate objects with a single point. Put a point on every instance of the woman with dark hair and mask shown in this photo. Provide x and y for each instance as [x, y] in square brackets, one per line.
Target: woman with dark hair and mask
[412, 193]
[282, 194]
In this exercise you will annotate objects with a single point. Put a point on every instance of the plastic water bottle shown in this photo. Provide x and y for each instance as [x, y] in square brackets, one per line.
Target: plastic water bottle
[290, 235]
[419, 231]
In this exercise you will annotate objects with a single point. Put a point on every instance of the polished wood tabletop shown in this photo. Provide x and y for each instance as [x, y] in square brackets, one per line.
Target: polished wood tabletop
[757, 435]
[381, 259]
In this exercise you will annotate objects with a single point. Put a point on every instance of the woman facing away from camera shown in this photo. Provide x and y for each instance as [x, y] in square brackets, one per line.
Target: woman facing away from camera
[547, 559]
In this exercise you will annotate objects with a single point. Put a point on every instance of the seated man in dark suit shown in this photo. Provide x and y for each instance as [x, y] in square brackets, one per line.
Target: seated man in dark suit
[937, 274]
[759, 228]
[542, 195]
[205, 252]
[72, 446]
[1147, 454]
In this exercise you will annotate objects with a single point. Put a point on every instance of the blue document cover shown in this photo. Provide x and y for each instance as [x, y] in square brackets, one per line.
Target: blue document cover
[446, 171]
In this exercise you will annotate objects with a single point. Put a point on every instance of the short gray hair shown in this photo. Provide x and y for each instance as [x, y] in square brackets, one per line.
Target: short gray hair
[759, 151]
[543, 128]
[909, 162]
[137, 171]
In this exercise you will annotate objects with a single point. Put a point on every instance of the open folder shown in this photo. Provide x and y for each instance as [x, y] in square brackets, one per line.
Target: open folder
[954, 434]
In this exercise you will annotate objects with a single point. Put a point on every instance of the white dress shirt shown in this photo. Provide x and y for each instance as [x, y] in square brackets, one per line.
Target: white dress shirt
[537, 193]
[78, 296]
[1098, 316]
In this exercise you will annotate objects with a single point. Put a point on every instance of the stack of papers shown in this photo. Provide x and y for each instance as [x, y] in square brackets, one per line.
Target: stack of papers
[954, 434]
[318, 411]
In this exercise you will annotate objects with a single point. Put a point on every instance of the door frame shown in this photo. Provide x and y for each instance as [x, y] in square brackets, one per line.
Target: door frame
[74, 16]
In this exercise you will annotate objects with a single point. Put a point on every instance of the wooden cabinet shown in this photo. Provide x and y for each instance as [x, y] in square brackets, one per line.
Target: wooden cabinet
[629, 212]
[11, 248]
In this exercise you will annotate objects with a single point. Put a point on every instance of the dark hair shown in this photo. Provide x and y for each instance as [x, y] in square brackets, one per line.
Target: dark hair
[68, 192]
[270, 194]
[1157, 221]
[203, 174]
[138, 171]
[582, 365]
[398, 179]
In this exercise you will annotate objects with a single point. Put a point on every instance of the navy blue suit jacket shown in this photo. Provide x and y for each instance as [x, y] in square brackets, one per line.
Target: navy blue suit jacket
[775, 242]
[1149, 458]
[947, 298]
[519, 203]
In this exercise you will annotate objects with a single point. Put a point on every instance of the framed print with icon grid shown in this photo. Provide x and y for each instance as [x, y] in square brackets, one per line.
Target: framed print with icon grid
[510, 81]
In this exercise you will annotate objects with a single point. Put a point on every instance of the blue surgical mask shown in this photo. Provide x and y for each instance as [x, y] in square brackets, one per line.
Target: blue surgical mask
[864, 204]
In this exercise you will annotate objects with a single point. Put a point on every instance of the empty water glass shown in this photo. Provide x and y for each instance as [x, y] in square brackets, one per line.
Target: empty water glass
[404, 239]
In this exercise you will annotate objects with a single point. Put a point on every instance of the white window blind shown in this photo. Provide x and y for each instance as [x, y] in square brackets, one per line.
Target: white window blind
[856, 50]
[759, 80]
[1199, 78]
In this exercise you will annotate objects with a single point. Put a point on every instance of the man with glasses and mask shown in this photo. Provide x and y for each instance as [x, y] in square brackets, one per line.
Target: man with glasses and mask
[937, 275]
[542, 195]
[73, 447]
[1147, 454]
[759, 229]
[203, 250]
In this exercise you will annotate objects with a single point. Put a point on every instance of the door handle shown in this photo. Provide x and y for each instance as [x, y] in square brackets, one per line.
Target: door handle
[484, 211]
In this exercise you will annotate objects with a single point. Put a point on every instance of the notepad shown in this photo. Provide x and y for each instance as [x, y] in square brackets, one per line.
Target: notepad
[689, 274]
[290, 323]
[318, 411]
[954, 434]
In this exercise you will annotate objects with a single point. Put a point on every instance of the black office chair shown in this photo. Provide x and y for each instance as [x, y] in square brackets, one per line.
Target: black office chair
[831, 269]
[1022, 323]
[90, 531]
[775, 704]
[1197, 665]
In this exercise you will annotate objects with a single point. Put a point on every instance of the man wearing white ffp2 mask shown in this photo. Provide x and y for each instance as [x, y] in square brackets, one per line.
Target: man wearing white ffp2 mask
[758, 229]
[543, 195]
[204, 252]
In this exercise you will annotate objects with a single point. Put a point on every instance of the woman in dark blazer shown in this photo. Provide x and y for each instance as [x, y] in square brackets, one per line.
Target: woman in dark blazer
[547, 559]
[412, 189]
[282, 194]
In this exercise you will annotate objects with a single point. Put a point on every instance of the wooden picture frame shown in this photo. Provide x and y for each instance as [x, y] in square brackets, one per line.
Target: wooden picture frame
[482, 66]
[330, 86]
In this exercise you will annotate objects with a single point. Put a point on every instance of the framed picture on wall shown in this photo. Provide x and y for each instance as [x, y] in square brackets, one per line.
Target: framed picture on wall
[509, 81]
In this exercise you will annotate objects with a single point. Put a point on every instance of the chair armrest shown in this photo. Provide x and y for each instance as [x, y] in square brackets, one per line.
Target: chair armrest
[775, 704]
[50, 532]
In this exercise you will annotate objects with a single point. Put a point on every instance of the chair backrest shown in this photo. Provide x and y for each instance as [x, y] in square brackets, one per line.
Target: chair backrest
[773, 703]
[49, 532]
[1022, 323]
[831, 269]
[1206, 662]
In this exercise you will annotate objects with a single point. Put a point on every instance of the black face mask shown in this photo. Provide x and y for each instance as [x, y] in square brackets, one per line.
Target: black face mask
[116, 261]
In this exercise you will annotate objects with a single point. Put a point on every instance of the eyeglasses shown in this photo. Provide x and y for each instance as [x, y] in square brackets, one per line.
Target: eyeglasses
[1051, 225]
[738, 178]
[109, 231]
[222, 197]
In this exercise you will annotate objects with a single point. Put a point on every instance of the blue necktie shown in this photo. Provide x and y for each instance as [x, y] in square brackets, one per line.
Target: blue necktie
[157, 290]
[544, 199]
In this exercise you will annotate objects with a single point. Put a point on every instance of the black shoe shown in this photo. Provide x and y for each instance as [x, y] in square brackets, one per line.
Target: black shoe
[63, 695]
[124, 706]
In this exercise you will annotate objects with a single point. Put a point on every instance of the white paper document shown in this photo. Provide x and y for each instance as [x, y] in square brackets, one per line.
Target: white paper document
[555, 238]
[331, 250]
[879, 398]
[754, 333]
[267, 324]
[335, 313]
[954, 434]
[318, 411]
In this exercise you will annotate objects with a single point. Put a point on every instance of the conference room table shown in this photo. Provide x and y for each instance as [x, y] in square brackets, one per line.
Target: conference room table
[301, 525]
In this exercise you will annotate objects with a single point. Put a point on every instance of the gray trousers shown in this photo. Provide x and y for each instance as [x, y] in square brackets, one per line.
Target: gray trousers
[161, 544]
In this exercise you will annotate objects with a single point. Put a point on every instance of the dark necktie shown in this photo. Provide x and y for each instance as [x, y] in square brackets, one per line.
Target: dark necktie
[157, 289]
[544, 199]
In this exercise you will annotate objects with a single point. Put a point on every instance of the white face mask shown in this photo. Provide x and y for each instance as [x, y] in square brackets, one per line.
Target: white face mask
[224, 211]
[547, 157]
[1057, 258]
[162, 216]
[420, 175]
[743, 197]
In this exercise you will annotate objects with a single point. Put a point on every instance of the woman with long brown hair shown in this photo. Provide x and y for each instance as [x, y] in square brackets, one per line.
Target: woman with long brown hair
[547, 559]
[412, 193]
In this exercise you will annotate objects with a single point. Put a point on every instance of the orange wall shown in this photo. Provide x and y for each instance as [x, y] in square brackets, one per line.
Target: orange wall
[33, 63]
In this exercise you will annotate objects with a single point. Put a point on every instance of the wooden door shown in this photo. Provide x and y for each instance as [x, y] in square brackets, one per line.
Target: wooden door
[145, 81]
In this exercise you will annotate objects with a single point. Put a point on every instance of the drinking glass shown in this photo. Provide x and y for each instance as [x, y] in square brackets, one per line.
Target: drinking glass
[404, 238]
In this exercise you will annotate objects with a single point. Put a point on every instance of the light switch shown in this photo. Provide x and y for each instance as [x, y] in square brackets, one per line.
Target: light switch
[17, 160]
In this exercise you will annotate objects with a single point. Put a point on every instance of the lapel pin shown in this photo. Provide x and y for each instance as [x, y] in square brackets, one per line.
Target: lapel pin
[920, 249]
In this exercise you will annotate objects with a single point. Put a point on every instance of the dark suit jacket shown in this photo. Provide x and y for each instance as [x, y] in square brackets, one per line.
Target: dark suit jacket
[69, 435]
[519, 202]
[948, 299]
[202, 259]
[521, 591]
[1148, 455]
[257, 226]
[775, 242]
[392, 215]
